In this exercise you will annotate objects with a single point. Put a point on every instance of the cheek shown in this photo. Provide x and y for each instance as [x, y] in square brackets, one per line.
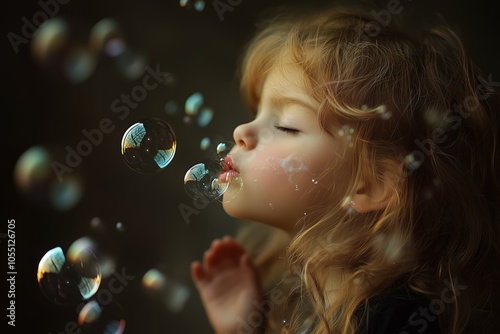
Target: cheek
[283, 178]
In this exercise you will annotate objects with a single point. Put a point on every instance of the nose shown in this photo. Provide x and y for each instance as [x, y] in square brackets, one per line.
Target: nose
[244, 136]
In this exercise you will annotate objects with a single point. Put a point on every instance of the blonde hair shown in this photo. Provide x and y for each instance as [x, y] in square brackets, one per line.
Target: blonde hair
[424, 124]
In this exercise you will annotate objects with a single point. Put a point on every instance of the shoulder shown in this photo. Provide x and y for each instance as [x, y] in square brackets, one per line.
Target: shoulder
[400, 312]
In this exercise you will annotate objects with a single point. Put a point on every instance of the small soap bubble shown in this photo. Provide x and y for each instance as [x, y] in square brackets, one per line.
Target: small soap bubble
[183, 3]
[412, 161]
[224, 148]
[204, 180]
[120, 227]
[205, 117]
[148, 146]
[80, 64]
[193, 104]
[172, 294]
[37, 181]
[131, 64]
[50, 40]
[199, 5]
[188, 120]
[384, 113]
[67, 280]
[171, 107]
[107, 318]
[106, 37]
[205, 143]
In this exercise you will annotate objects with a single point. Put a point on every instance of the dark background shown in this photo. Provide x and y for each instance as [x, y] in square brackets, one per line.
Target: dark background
[202, 52]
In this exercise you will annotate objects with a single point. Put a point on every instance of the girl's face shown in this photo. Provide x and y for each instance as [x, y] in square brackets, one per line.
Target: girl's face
[282, 153]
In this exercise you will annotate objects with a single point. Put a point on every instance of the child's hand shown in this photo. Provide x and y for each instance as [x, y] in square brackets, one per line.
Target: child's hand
[228, 284]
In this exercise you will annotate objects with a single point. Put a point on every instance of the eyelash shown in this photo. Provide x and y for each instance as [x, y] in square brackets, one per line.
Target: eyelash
[286, 130]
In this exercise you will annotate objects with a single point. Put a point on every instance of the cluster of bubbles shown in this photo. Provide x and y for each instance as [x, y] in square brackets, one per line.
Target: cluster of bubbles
[194, 112]
[63, 48]
[76, 277]
[346, 131]
[198, 5]
[209, 180]
[148, 146]
[37, 181]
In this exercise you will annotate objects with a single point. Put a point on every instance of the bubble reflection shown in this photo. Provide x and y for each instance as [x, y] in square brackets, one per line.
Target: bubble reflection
[68, 280]
[149, 146]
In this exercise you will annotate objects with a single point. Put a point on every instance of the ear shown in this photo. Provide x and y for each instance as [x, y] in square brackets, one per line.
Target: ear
[372, 197]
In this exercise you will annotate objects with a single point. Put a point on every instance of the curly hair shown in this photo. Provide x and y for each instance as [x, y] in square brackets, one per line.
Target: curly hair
[424, 122]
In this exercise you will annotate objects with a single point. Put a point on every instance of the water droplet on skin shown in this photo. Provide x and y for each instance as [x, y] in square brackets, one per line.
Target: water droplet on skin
[271, 206]
[296, 187]
[314, 181]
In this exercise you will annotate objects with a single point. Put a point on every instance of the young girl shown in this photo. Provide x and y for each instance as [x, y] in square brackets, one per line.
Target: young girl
[376, 151]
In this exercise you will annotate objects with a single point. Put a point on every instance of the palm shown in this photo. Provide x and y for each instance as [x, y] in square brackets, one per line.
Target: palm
[228, 285]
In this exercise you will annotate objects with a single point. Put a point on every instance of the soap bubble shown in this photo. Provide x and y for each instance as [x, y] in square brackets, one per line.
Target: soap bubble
[149, 146]
[203, 181]
[205, 143]
[106, 37]
[193, 104]
[172, 294]
[224, 148]
[37, 181]
[131, 64]
[205, 117]
[69, 280]
[107, 318]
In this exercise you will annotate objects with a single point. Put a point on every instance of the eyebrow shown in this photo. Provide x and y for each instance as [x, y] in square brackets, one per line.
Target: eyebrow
[281, 101]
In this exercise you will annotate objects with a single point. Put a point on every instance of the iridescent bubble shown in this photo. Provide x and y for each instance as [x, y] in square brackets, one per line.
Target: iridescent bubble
[205, 143]
[107, 318]
[384, 112]
[413, 160]
[193, 104]
[107, 265]
[38, 182]
[171, 293]
[183, 3]
[199, 5]
[69, 280]
[224, 148]
[148, 146]
[205, 117]
[80, 64]
[106, 37]
[131, 64]
[204, 182]
[50, 40]
[171, 107]
[120, 227]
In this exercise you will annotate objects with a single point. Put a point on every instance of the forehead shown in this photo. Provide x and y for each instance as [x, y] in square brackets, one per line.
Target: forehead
[287, 81]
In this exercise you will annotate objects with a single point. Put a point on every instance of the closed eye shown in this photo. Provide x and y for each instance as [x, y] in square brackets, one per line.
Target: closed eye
[286, 130]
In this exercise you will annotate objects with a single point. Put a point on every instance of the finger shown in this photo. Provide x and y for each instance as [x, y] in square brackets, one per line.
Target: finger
[197, 272]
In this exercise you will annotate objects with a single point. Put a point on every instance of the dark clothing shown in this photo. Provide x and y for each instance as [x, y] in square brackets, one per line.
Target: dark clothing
[399, 312]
